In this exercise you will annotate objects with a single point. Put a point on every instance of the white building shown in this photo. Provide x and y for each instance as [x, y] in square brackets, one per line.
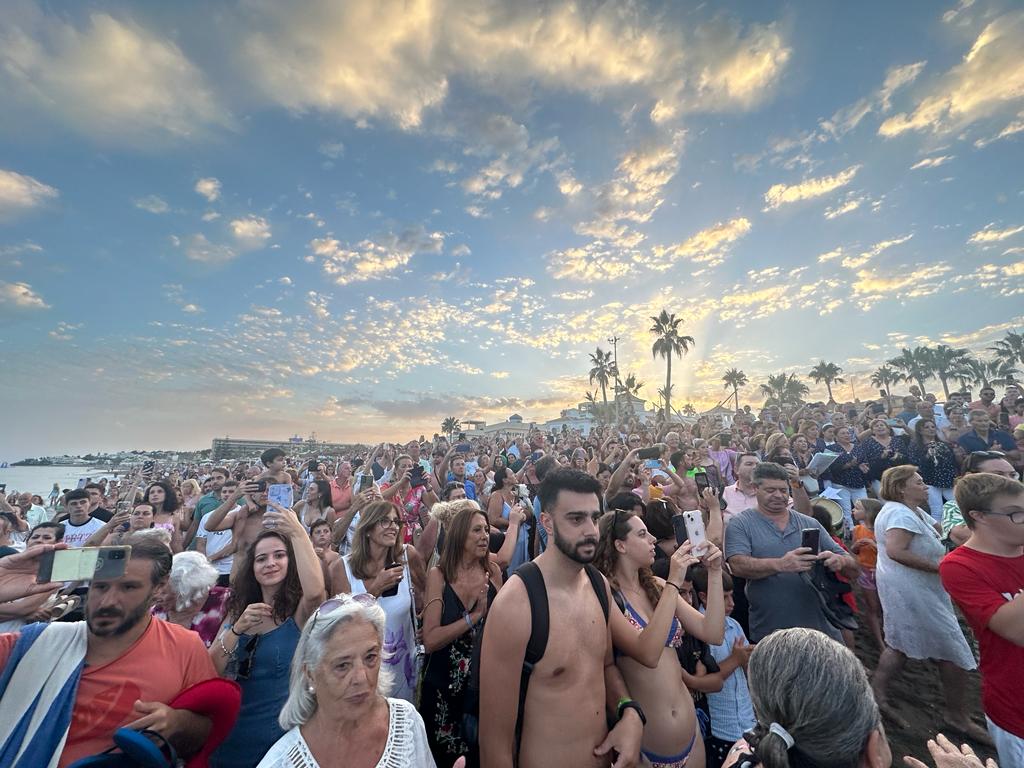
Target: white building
[572, 418]
[720, 412]
[514, 426]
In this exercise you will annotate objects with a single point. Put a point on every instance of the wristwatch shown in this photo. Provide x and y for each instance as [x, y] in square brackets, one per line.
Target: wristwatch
[625, 704]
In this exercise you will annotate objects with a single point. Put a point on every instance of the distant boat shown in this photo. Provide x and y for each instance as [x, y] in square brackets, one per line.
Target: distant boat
[4, 465]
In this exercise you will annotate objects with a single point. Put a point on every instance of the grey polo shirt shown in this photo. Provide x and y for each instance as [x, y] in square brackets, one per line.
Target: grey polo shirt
[782, 600]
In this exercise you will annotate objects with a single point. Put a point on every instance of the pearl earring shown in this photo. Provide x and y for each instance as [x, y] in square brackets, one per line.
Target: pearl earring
[311, 689]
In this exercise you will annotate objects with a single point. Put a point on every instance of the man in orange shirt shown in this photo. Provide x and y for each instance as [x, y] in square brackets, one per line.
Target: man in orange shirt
[134, 664]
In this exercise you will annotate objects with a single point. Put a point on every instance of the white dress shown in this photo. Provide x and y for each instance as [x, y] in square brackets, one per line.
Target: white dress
[406, 745]
[399, 650]
[919, 617]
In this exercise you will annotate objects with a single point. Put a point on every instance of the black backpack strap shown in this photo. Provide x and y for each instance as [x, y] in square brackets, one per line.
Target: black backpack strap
[537, 594]
[597, 582]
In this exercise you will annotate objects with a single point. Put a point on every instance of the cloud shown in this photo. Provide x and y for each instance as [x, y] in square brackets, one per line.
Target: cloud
[782, 194]
[208, 188]
[990, 78]
[201, 249]
[152, 203]
[191, 309]
[991, 235]
[915, 282]
[64, 331]
[830, 255]
[706, 247]
[396, 59]
[1012, 128]
[19, 193]
[461, 251]
[20, 296]
[589, 262]
[332, 149]
[574, 295]
[856, 262]
[512, 155]
[848, 205]
[953, 13]
[107, 78]
[931, 162]
[369, 259]
[251, 232]
[848, 118]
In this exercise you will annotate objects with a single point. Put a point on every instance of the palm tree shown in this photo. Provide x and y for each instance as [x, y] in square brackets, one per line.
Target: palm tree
[828, 373]
[734, 379]
[666, 397]
[689, 410]
[602, 371]
[450, 426]
[784, 388]
[915, 364]
[630, 386]
[987, 373]
[885, 376]
[945, 361]
[668, 343]
[1011, 347]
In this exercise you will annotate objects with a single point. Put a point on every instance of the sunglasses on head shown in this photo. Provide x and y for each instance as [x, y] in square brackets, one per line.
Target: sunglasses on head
[329, 606]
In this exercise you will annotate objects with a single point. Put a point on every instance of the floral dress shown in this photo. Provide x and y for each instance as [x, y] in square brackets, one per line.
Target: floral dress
[445, 682]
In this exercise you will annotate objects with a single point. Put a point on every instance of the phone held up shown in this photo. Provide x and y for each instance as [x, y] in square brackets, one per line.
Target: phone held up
[393, 589]
[811, 538]
[653, 452]
[83, 564]
[693, 521]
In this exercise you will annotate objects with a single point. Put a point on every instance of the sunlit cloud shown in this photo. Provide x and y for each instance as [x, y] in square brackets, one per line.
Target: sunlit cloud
[368, 259]
[20, 296]
[990, 234]
[931, 162]
[251, 231]
[783, 194]
[856, 262]
[152, 204]
[20, 193]
[201, 249]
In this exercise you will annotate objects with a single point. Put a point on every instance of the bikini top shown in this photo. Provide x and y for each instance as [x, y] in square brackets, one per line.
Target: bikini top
[675, 632]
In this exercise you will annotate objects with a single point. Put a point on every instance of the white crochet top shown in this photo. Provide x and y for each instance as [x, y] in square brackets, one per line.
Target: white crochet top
[406, 746]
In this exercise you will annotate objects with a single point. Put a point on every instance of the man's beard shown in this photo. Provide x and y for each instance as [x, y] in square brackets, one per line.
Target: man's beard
[128, 622]
[572, 550]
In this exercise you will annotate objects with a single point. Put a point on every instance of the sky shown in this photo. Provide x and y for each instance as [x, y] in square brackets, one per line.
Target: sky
[265, 218]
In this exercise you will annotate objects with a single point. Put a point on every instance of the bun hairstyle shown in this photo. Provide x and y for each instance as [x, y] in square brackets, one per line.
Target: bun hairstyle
[812, 700]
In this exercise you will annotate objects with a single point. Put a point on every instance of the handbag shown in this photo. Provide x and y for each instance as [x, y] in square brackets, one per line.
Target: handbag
[419, 652]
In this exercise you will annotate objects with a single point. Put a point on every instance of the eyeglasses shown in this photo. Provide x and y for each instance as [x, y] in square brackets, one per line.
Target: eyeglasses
[246, 665]
[328, 606]
[389, 522]
[1017, 516]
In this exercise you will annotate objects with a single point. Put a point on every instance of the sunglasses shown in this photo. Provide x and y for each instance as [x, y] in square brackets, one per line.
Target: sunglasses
[245, 665]
[328, 606]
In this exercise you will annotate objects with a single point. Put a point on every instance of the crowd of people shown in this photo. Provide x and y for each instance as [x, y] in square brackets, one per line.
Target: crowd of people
[664, 593]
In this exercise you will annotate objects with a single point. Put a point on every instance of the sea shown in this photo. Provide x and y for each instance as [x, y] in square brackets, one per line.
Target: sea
[41, 479]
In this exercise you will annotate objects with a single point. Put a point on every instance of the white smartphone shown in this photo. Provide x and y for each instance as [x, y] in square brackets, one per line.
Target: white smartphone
[281, 493]
[694, 522]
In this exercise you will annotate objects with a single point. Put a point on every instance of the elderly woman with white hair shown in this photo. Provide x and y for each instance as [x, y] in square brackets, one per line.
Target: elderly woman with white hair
[190, 598]
[335, 702]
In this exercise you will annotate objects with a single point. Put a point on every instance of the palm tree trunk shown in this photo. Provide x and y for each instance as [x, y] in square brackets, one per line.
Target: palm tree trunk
[668, 388]
[828, 386]
[945, 386]
[736, 395]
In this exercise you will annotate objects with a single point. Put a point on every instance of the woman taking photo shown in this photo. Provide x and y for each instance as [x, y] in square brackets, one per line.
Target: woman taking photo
[845, 476]
[279, 586]
[504, 498]
[316, 505]
[625, 554]
[459, 592]
[190, 495]
[122, 525]
[382, 566]
[166, 511]
[936, 463]
[918, 616]
[336, 712]
[879, 451]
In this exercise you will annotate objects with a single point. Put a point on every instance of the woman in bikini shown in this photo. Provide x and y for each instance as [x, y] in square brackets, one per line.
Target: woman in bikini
[625, 554]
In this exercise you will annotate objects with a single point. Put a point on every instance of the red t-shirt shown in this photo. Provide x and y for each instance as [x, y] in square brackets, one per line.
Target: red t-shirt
[166, 660]
[981, 584]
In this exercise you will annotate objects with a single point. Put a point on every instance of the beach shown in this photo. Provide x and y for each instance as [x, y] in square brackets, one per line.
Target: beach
[41, 479]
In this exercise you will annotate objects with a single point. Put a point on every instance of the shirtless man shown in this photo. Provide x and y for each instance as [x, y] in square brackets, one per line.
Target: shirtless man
[575, 685]
[274, 461]
[242, 514]
[685, 496]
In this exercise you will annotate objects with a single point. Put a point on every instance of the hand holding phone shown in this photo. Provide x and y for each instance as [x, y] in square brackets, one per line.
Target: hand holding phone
[811, 538]
[693, 520]
[83, 564]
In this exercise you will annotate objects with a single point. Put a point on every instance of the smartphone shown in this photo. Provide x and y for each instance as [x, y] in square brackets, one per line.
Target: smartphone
[811, 538]
[81, 483]
[679, 528]
[701, 479]
[281, 493]
[784, 461]
[364, 482]
[536, 456]
[3, 487]
[416, 477]
[148, 467]
[693, 520]
[462, 448]
[653, 452]
[392, 590]
[83, 564]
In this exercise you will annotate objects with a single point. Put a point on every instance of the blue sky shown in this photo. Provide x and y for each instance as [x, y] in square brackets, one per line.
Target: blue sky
[358, 218]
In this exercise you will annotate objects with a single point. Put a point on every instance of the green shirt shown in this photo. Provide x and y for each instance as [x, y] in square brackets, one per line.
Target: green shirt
[951, 518]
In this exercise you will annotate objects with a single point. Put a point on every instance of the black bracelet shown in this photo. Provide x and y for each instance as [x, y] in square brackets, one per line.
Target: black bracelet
[673, 584]
[236, 634]
[625, 704]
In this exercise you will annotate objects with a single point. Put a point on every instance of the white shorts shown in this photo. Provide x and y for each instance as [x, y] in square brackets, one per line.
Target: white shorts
[1009, 746]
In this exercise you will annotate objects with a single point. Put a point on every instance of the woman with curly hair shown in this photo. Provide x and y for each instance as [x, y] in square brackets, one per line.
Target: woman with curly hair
[167, 511]
[625, 554]
[278, 587]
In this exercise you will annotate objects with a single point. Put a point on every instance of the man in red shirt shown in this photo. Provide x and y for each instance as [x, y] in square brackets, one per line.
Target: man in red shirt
[985, 577]
[134, 664]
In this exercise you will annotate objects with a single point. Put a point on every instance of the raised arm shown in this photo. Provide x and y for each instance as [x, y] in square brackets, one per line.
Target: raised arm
[619, 475]
[219, 518]
[311, 575]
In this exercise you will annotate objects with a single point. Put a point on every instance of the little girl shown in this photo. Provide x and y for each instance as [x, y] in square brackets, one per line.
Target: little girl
[864, 547]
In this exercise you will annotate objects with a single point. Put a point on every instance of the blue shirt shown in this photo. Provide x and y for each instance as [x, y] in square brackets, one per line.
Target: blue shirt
[731, 711]
[469, 485]
[972, 441]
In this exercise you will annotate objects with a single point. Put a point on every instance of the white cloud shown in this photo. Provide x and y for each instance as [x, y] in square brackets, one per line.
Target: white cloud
[284, 280]
[989, 79]
[931, 162]
[368, 259]
[848, 118]
[251, 232]
[201, 249]
[477, 212]
[64, 331]
[152, 203]
[20, 296]
[992, 235]
[208, 188]
[589, 262]
[543, 213]
[191, 309]
[461, 251]
[830, 255]
[855, 262]
[107, 78]
[953, 13]
[19, 193]
[210, 216]
[782, 194]
[332, 149]
[706, 247]
[396, 58]
[848, 205]
[1012, 128]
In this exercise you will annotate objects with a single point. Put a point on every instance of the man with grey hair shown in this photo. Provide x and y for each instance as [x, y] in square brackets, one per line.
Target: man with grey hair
[763, 546]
